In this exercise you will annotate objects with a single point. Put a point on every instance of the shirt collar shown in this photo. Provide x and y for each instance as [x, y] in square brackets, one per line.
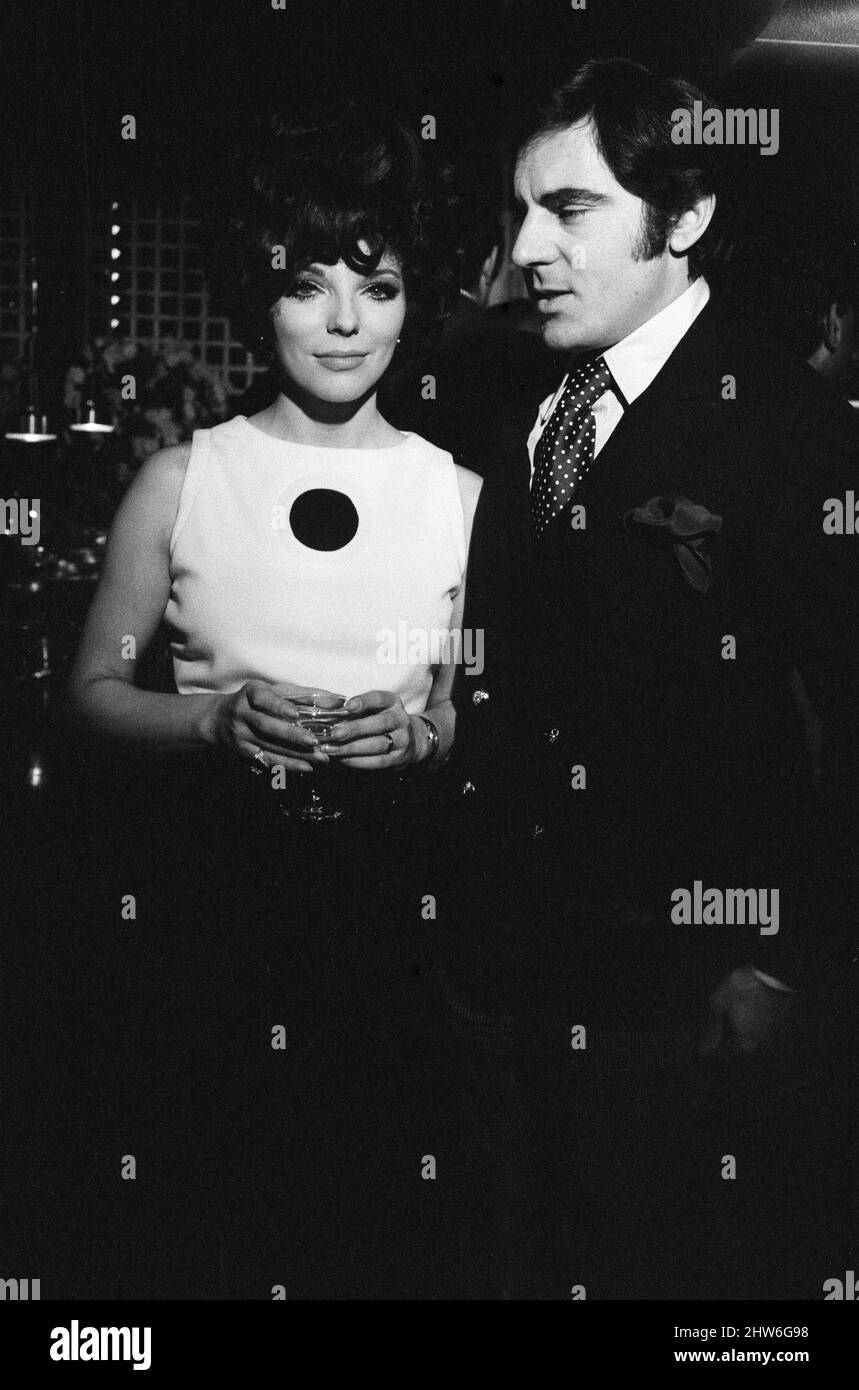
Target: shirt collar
[637, 358]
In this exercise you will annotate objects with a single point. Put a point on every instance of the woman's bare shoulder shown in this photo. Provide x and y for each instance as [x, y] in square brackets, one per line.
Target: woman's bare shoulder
[162, 475]
[151, 504]
[166, 468]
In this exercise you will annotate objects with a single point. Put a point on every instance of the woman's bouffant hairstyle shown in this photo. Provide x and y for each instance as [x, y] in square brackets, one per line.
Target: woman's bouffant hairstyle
[630, 109]
[347, 184]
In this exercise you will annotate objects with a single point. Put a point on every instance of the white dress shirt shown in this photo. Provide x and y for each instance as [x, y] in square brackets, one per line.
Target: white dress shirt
[633, 363]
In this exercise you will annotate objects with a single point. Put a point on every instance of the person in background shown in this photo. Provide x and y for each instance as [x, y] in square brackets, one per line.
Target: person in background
[803, 286]
[831, 307]
[464, 394]
[479, 255]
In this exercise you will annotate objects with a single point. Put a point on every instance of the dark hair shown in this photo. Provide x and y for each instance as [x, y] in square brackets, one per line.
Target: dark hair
[318, 187]
[630, 109]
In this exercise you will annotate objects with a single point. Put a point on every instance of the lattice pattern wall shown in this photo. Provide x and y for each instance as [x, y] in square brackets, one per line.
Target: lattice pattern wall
[15, 250]
[148, 285]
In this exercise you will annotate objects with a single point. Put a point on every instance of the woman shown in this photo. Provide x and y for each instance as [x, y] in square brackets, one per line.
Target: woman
[310, 552]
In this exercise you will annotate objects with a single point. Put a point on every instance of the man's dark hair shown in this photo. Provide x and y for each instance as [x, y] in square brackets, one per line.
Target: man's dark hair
[630, 109]
[319, 186]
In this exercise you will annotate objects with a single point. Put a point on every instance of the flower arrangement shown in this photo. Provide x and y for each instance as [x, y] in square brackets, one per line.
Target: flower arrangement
[156, 397]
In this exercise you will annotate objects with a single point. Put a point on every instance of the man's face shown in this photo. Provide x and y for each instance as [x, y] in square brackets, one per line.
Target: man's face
[579, 246]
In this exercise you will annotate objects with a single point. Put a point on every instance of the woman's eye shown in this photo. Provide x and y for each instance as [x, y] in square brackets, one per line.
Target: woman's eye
[381, 290]
[303, 289]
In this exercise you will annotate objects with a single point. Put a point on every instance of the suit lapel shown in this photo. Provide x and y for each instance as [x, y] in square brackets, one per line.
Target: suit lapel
[661, 442]
[665, 427]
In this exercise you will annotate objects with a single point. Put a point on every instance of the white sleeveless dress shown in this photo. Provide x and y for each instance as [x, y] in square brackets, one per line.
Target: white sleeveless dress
[249, 600]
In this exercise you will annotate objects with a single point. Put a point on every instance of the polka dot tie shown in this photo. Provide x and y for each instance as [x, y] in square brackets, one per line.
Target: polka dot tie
[565, 449]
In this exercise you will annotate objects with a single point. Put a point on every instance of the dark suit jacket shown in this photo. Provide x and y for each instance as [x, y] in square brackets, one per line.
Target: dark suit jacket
[600, 654]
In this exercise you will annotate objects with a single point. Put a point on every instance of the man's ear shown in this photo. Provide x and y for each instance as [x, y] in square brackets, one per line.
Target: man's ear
[490, 267]
[692, 224]
[832, 328]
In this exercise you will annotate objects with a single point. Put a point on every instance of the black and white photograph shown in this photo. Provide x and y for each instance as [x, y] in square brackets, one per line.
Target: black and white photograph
[429, 620]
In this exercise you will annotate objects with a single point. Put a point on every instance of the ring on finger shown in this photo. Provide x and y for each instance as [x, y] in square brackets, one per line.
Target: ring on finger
[259, 763]
[390, 747]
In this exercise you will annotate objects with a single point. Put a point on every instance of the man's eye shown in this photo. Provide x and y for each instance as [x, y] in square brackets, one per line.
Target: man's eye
[569, 214]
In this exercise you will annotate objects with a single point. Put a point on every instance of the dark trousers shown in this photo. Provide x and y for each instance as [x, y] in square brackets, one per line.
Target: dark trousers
[634, 1168]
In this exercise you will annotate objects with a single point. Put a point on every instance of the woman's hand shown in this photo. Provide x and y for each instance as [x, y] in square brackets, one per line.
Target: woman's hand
[383, 738]
[263, 718]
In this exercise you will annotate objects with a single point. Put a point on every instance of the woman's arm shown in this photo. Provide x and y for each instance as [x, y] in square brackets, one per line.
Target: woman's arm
[129, 604]
[361, 743]
[439, 705]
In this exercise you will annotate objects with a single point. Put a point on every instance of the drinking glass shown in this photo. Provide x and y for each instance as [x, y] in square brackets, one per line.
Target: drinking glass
[313, 802]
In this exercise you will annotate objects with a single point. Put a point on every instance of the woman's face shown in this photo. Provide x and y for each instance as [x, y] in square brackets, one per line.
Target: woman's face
[336, 330]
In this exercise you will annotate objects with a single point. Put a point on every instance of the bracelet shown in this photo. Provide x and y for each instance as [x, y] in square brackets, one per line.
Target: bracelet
[433, 737]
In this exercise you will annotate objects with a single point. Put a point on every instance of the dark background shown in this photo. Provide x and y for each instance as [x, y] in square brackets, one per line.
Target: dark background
[193, 72]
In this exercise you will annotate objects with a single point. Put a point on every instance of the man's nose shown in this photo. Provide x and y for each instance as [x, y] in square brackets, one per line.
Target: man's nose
[530, 248]
[343, 318]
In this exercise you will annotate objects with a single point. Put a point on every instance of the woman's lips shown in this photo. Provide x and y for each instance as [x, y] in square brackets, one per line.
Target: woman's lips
[341, 362]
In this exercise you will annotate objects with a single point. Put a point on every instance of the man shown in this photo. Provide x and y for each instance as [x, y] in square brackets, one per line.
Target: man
[803, 282]
[822, 294]
[651, 573]
[835, 355]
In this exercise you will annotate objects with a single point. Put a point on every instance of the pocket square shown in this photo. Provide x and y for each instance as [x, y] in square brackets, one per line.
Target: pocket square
[686, 526]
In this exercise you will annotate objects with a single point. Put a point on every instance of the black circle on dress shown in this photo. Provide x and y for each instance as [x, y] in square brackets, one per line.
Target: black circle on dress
[323, 519]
